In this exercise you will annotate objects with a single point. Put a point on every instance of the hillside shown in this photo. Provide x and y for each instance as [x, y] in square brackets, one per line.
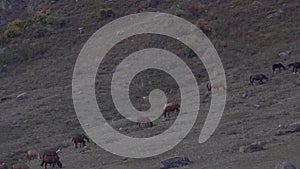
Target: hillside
[41, 40]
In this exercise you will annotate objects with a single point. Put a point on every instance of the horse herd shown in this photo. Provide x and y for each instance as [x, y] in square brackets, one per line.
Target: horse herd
[50, 157]
[261, 77]
[174, 107]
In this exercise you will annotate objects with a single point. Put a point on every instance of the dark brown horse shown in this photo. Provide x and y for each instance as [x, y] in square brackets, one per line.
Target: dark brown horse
[258, 77]
[278, 66]
[51, 157]
[296, 66]
[80, 138]
[170, 107]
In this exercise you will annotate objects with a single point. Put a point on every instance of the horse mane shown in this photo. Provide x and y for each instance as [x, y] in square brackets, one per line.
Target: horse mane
[291, 64]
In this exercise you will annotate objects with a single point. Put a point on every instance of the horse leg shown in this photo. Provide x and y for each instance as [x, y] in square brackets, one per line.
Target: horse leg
[83, 142]
[42, 163]
[75, 144]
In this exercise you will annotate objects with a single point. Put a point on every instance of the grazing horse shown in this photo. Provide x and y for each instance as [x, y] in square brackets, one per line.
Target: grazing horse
[169, 107]
[296, 65]
[258, 77]
[278, 66]
[32, 154]
[51, 157]
[214, 85]
[19, 166]
[144, 121]
[80, 138]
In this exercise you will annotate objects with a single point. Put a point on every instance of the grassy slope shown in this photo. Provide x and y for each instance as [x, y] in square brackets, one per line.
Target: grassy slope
[246, 41]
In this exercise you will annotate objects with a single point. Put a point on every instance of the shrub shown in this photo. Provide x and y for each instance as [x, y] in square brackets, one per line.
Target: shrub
[41, 15]
[179, 12]
[13, 29]
[106, 13]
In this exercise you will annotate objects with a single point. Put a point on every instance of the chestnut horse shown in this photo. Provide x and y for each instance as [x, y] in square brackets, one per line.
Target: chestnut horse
[19, 166]
[32, 154]
[170, 107]
[80, 138]
[51, 157]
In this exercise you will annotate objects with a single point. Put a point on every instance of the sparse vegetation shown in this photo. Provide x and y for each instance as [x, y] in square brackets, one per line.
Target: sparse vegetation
[13, 29]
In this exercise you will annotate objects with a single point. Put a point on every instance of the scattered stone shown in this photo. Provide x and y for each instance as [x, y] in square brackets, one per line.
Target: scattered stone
[242, 149]
[3, 68]
[26, 41]
[119, 33]
[254, 147]
[124, 158]
[144, 122]
[81, 30]
[273, 14]
[256, 106]
[284, 53]
[22, 96]
[244, 95]
[279, 133]
[177, 161]
[2, 99]
[294, 127]
[71, 122]
[85, 149]
[285, 165]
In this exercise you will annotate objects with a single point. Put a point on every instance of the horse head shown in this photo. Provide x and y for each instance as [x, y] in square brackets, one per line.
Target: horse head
[291, 64]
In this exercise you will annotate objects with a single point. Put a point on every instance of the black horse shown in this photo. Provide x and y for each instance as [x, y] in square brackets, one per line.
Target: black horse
[258, 77]
[278, 66]
[296, 65]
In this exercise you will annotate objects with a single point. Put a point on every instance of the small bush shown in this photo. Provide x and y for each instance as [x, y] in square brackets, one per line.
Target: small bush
[13, 29]
[106, 13]
[179, 12]
[41, 15]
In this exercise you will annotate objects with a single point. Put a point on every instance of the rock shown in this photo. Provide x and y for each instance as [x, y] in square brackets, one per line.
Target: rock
[285, 165]
[81, 30]
[254, 147]
[256, 106]
[71, 122]
[176, 161]
[273, 14]
[284, 53]
[242, 149]
[294, 127]
[22, 96]
[244, 95]
[279, 133]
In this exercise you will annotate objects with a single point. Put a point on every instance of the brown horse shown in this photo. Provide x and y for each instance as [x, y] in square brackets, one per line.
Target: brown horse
[80, 138]
[51, 157]
[19, 166]
[170, 107]
[32, 154]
